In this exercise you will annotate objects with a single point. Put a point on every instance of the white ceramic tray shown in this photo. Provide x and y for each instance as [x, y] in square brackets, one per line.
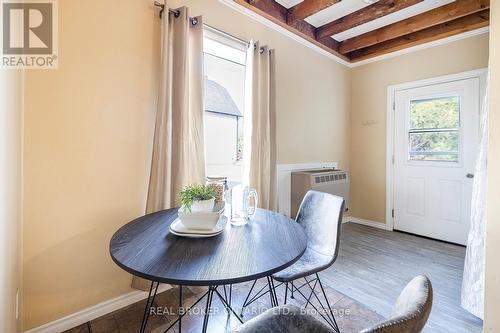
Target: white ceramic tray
[179, 229]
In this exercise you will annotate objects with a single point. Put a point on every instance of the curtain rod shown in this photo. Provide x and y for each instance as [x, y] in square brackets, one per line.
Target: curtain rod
[158, 4]
[176, 13]
[194, 21]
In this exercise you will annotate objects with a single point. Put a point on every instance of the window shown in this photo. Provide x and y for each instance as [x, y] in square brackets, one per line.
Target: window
[224, 62]
[434, 131]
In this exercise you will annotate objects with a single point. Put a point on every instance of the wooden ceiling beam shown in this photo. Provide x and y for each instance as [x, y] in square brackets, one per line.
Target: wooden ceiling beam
[269, 7]
[454, 18]
[443, 14]
[362, 16]
[309, 7]
[279, 15]
[443, 30]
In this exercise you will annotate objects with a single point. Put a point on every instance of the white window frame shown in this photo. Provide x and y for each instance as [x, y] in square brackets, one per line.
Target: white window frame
[238, 44]
[408, 130]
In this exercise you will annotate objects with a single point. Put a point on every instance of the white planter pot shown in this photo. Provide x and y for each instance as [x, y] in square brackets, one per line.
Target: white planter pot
[203, 206]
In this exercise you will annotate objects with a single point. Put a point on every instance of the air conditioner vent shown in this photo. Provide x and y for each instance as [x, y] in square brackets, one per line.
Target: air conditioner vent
[330, 178]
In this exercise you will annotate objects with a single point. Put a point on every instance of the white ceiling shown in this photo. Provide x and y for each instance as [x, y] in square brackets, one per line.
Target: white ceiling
[288, 3]
[345, 7]
[332, 13]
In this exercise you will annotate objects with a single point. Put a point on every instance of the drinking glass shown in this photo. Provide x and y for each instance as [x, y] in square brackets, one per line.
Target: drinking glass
[241, 209]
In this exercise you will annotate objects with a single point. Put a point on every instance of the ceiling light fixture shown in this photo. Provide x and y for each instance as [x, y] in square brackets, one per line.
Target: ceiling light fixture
[370, 2]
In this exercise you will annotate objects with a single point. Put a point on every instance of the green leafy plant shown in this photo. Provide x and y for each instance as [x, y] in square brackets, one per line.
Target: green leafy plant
[192, 193]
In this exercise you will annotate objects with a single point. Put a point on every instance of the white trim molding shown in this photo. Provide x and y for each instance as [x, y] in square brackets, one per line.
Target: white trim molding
[391, 92]
[280, 29]
[284, 179]
[369, 223]
[94, 312]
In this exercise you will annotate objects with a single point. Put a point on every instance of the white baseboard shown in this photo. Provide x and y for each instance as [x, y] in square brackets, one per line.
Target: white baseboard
[96, 311]
[368, 223]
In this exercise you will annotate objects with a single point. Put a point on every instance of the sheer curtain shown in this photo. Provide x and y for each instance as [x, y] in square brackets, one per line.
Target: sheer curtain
[178, 149]
[473, 280]
[260, 169]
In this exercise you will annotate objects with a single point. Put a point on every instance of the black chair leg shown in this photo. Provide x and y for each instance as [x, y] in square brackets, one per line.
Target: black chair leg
[326, 313]
[328, 304]
[308, 301]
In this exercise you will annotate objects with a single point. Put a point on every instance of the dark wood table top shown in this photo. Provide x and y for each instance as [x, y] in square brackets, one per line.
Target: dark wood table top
[269, 243]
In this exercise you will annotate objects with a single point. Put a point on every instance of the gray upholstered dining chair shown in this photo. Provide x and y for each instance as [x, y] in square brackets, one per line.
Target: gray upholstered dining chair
[320, 214]
[409, 315]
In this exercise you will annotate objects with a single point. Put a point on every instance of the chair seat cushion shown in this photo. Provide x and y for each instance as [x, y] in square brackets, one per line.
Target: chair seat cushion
[311, 262]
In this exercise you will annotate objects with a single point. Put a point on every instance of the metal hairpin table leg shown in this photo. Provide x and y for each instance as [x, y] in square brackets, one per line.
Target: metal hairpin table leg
[272, 292]
[209, 294]
[184, 312]
[149, 304]
[246, 299]
[228, 306]
[286, 291]
[211, 291]
[226, 297]
[180, 308]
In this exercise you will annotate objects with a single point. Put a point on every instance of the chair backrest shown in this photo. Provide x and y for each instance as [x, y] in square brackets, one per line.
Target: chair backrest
[411, 311]
[320, 214]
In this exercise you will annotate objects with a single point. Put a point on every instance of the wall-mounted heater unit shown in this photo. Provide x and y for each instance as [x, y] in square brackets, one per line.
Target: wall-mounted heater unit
[324, 180]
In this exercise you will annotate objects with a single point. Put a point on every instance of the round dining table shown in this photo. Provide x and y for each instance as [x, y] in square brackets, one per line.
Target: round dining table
[145, 248]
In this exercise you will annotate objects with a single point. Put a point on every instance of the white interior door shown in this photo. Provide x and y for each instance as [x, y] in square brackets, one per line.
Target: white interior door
[436, 135]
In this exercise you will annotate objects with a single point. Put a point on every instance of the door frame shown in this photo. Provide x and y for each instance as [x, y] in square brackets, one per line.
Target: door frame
[481, 74]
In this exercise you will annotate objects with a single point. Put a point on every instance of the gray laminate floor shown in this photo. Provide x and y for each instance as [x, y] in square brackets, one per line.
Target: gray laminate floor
[374, 265]
[351, 316]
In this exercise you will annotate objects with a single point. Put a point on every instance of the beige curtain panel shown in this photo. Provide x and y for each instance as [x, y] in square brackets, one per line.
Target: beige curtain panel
[178, 148]
[262, 103]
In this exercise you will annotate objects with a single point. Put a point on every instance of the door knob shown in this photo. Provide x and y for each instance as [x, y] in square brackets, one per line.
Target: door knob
[470, 175]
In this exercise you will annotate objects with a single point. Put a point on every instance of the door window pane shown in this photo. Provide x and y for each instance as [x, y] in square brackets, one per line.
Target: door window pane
[434, 146]
[434, 133]
[435, 113]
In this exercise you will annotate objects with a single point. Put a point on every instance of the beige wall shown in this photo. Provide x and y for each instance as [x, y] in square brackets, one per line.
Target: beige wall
[87, 138]
[10, 195]
[492, 283]
[88, 131]
[369, 112]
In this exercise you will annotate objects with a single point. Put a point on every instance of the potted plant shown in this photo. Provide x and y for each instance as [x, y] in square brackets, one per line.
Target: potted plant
[198, 198]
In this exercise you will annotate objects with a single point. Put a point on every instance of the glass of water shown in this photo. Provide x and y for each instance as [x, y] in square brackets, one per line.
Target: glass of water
[241, 207]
